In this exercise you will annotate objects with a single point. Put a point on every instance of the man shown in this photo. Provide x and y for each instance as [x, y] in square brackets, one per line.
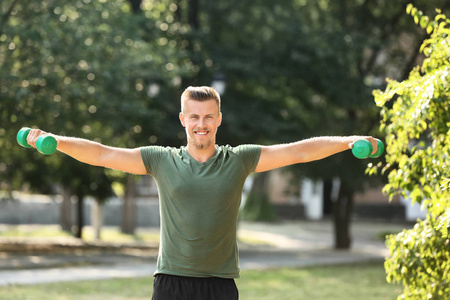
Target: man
[200, 189]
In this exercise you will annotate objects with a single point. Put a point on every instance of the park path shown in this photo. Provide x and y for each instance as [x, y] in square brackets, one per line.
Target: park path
[285, 244]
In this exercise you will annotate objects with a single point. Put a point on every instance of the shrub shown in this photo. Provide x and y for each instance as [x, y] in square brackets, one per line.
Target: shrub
[416, 120]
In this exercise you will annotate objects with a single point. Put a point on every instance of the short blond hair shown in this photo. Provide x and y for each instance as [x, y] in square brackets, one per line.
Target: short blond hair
[200, 93]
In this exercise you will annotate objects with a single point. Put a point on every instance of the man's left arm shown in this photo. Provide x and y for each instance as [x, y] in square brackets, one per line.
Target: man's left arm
[307, 150]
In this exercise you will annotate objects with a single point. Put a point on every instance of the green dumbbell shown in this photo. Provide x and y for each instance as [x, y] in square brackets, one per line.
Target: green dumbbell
[363, 149]
[44, 144]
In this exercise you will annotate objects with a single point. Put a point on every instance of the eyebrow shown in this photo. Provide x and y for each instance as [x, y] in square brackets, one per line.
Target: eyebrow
[196, 115]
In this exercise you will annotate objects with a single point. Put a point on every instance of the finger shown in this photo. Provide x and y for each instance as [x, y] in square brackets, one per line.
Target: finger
[374, 145]
[33, 136]
[350, 145]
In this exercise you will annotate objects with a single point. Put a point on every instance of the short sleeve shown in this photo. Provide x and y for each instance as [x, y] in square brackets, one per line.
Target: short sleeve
[250, 155]
[151, 156]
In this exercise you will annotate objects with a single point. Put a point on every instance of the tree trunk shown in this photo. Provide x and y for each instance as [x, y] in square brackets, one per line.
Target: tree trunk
[257, 206]
[177, 14]
[193, 9]
[80, 216]
[136, 6]
[65, 215]
[342, 210]
[128, 224]
[260, 184]
[97, 218]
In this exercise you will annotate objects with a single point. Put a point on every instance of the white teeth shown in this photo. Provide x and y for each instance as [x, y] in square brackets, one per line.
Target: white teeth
[202, 132]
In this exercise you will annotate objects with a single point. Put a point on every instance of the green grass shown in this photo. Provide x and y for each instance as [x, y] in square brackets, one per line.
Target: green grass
[32, 231]
[335, 282]
[108, 234]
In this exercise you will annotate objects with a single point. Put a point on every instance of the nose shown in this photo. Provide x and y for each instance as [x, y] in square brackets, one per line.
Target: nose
[201, 122]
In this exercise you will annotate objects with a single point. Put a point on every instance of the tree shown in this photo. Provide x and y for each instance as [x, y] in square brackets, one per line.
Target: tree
[76, 69]
[416, 119]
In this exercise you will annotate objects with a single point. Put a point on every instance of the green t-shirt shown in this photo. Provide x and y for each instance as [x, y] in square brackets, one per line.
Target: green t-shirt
[199, 205]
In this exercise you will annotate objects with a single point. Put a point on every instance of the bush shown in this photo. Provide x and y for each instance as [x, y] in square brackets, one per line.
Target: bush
[420, 260]
[416, 119]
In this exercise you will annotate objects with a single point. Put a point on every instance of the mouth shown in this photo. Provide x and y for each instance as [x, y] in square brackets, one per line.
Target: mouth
[202, 133]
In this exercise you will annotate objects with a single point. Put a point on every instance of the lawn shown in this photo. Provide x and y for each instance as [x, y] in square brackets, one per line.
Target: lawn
[108, 234]
[347, 282]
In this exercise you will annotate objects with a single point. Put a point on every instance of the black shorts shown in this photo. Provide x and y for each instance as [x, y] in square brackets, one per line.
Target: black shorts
[170, 287]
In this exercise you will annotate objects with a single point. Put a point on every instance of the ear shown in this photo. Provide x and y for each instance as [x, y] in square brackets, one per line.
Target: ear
[181, 116]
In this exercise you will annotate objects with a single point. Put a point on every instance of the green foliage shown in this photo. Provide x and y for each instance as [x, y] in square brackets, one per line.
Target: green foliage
[306, 68]
[78, 68]
[416, 119]
[417, 125]
[420, 260]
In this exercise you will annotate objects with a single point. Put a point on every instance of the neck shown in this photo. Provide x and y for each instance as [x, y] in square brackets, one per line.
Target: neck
[201, 155]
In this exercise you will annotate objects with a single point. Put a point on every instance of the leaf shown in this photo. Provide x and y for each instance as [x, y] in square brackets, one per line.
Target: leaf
[440, 17]
[424, 21]
[409, 7]
[444, 223]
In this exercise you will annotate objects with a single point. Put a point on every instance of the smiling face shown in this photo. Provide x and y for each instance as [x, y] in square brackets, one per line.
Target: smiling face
[201, 120]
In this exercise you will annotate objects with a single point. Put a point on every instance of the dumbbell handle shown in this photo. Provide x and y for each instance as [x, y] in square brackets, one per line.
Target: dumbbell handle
[363, 149]
[45, 144]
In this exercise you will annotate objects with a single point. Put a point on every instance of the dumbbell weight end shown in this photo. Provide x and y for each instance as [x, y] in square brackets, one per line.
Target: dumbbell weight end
[362, 149]
[22, 137]
[46, 144]
[380, 149]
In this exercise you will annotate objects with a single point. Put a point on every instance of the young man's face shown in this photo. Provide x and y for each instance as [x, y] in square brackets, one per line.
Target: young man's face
[201, 120]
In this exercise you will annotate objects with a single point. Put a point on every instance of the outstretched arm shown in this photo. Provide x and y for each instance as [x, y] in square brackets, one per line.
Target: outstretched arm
[281, 155]
[96, 154]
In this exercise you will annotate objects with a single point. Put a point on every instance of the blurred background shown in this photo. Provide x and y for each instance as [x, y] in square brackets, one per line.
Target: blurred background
[113, 72]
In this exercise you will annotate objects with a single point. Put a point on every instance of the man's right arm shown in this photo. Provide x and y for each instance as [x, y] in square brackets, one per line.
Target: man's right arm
[96, 154]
